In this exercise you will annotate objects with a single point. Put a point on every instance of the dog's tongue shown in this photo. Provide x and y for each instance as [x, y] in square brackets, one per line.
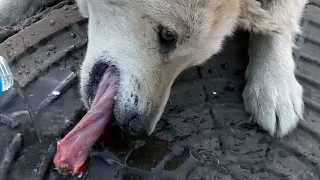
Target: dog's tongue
[74, 148]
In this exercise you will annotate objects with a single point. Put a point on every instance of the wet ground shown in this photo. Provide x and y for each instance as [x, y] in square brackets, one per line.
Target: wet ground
[203, 134]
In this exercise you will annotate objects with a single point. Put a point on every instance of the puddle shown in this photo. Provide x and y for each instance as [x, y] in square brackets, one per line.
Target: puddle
[177, 161]
[139, 153]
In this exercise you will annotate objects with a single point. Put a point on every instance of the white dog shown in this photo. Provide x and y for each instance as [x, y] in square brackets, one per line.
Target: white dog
[150, 42]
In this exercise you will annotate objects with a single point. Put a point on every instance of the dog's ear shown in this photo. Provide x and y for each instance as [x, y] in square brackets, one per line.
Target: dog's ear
[254, 18]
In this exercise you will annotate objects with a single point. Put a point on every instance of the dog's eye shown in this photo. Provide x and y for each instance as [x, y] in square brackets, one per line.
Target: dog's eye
[167, 35]
[167, 40]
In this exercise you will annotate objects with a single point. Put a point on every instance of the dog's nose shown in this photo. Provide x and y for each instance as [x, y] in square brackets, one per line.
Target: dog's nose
[135, 126]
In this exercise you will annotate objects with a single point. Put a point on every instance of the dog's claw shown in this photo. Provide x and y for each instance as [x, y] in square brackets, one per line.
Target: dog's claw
[277, 108]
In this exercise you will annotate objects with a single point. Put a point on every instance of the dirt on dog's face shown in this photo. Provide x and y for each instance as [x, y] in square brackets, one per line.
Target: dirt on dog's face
[149, 42]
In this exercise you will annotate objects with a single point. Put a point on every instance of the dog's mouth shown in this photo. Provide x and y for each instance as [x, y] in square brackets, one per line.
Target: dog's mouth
[74, 148]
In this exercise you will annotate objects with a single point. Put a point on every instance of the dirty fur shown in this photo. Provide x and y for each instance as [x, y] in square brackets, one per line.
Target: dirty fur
[125, 33]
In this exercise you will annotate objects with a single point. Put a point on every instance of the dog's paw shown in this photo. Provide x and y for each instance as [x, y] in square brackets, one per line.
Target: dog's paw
[275, 103]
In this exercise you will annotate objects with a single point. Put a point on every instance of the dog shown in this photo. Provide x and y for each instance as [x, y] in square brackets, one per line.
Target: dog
[150, 42]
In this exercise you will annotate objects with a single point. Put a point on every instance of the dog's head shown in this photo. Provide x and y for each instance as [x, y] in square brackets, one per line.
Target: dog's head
[150, 42]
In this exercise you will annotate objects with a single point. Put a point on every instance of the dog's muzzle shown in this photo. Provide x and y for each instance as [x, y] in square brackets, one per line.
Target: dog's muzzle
[125, 110]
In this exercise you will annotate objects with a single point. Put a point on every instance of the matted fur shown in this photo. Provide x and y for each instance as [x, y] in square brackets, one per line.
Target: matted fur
[125, 33]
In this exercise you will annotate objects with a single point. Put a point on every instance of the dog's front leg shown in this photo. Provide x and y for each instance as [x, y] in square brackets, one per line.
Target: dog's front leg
[272, 95]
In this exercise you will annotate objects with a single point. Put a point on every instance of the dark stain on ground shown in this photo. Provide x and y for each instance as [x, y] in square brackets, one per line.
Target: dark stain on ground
[130, 150]
[177, 161]
[132, 177]
[148, 156]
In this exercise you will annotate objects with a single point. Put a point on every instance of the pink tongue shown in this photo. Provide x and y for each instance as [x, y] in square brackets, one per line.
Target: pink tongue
[74, 148]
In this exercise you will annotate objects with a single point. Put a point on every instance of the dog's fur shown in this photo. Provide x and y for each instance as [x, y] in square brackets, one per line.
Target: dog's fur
[125, 33]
